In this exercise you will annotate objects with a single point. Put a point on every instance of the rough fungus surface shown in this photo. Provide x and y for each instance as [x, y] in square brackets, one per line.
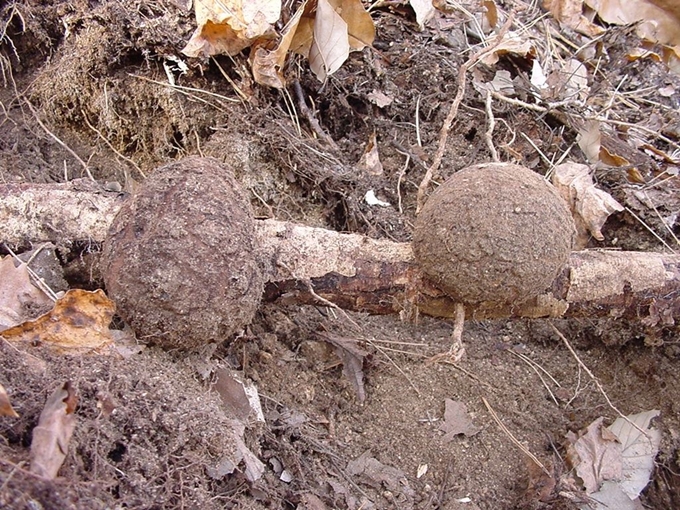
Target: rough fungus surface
[180, 260]
[493, 233]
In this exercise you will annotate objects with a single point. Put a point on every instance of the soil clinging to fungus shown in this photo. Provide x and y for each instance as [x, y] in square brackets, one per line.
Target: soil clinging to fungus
[180, 260]
[493, 233]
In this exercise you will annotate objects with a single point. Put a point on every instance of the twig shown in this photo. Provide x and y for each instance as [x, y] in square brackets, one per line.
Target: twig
[313, 122]
[516, 442]
[381, 350]
[650, 229]
[453, 111]
[37, 280]
[594, 379]
[535, 367]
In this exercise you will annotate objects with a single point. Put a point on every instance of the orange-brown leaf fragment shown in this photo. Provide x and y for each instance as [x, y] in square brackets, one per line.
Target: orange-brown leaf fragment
[228, 26]
[6, 408]
[79, 322]
[52, 435]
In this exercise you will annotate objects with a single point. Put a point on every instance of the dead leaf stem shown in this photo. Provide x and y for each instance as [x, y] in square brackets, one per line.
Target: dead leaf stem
[594, 379]
[513, 439]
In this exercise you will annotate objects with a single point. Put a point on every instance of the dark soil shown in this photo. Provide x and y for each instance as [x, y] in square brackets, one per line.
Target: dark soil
[151, 434]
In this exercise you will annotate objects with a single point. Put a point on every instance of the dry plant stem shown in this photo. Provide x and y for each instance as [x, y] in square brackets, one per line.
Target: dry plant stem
[108, 144]
[453, 111]
[358, 273]
[457, 349]
[512, 438]
[488, 135]
[594, 379]
[314, 124]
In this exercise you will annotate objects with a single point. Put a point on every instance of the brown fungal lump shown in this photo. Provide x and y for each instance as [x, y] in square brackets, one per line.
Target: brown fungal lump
[493, 233]
[180, 259]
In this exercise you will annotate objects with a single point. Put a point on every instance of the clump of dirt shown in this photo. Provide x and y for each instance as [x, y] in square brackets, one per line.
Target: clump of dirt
[494, 233]
[144, 424]
[180, 259]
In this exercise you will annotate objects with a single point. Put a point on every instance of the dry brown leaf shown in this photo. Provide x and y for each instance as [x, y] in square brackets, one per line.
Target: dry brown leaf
[512, 43]
[595, 454]
[79, 322]
[589, 139]
[330, 47]
[352, 361]
[360, 26]
[457, 421]
[379, 99]
[327, 34]
[267, 64]
[229, 26]
[570, 14]
[590, 206]
[6, 408]
[379, 475]
[541, 486]
[609, 158]
[370, 160]
[19, 298]
[53, 433]
[424, 11]
[656, 21]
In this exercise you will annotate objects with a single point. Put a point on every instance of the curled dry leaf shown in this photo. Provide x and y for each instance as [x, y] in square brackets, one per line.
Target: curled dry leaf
[53, 433]
[512, 43]
[6, 408]
[267, 60]
[590, 206]
[379, 99]
[330, 48]
[570, 14]
[79, 322]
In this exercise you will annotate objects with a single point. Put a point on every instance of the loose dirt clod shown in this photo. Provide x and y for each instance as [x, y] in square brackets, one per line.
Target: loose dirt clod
[180, 260]
[493, 233]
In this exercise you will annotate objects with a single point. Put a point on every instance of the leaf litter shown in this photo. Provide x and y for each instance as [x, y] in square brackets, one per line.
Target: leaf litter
[138, 392]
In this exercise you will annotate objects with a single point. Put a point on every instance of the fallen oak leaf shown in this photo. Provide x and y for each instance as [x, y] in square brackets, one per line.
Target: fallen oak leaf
[52, 435]
[595, 454]
[457, 421]
[79, 322]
